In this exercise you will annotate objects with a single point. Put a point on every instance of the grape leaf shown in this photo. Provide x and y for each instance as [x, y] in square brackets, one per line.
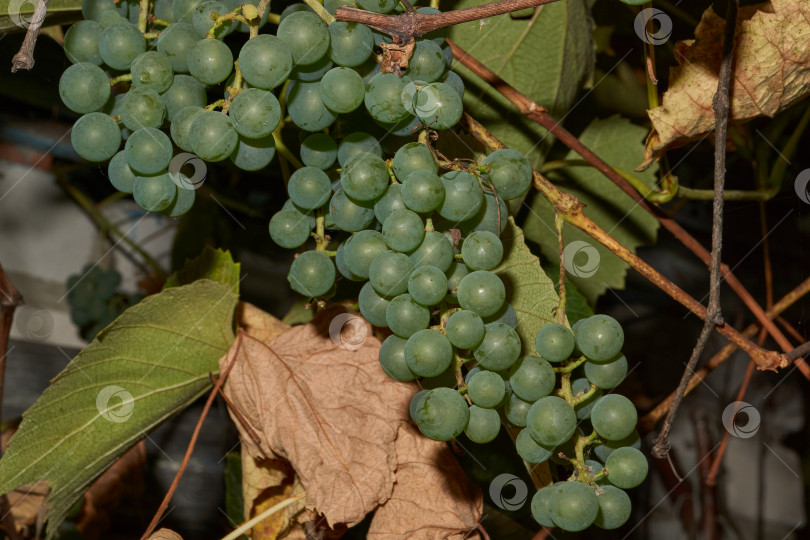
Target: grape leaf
[528, 288]
[548, 57]
[16, 15]
[214, 264]
[576, 305]
[149, 364]
[771, 72]
[620, 144]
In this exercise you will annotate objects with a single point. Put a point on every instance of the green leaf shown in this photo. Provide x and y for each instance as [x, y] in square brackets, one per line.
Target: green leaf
[149, 364]
[576, 305]
[528, 288]
[548, 57]
[621, 144]
[15, 15]
[214, 264]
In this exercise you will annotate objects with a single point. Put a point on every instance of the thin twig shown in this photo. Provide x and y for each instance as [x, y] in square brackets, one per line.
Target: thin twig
[713, 312]
[412, 24]
[558, 224]
[213, 394]
[246, 526]
[708, 495]
[24, 59]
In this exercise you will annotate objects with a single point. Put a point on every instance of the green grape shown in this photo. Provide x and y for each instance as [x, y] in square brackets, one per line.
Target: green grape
[574, 506]
[483, 425]
[313, 72]
[416, 403]
[627, 467]
[600, 338]
[614, 417]
[411, 157]
[510, 173]
[486, 389]
[163, 10]
[312, 273]
[462, 196]
[427, 285]
[365, 178]
[254, 154]
[487, 218]
[181, 126]
[360, 249]
[378, 6]
[481, 250]
[482, 292]
[202, 21]
[532, 378]
[182, 203]
[423, 191]
[541, 505]
[306, 35]
[210, 61]
[452, 79]
[148, 151]
[465, 329]
[306, 108]
[614, 508]
[332, 6]
[95, 137]
[342, 90]
[347, 215]
[92, 9]
[81, 42]
[428, 353]
[529, 450]
[351, 43]
[434, 250]
[289, 228]
[175, 42]
[554, 342]
[427, 62]
[212, 135]
[392, 359]
[372, 305]
[184, 92]
[499, 349]
[389, 272]
[154, 193]
[255, 113]
[340, 263]
[403, 128]
[142, 107]
[583, 408]
[293, 8]
[119, 44]
[358, 143]
[120, 174]
[438, 105]
[309, 188]
[604, 450]
[607, 375]
[391, 201]
[551, 421]
[318, 150]
[152, 70]
[265, 61]
[516, 410]
[109, 18]
[183, 10]
[455, 274]
[383, 97]
[405, 317]
[505, 315]
[403, 230]
[441, 414]
[84, 88]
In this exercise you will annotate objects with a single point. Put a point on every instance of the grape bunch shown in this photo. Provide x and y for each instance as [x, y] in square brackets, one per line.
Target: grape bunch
[94, 300]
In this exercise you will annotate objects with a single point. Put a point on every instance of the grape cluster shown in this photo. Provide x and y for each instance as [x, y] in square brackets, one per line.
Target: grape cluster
[94, 302]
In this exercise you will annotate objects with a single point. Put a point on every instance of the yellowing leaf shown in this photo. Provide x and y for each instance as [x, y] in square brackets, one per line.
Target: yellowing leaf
[771, 72]
[265, 483]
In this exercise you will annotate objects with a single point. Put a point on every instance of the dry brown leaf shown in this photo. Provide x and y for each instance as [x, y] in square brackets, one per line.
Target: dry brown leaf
[444, 509]
[258, 323]
[265, 483]
[165, 534]
[771, 73]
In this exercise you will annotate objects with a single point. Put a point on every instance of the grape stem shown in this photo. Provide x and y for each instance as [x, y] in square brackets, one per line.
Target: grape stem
[576, 400]
[159, 22]
[263, 6]
[558, 224]
[219, 20]
[216, 104]
[120, 78]
[24, 59]
[320, 11]
[235, 88]
[321, 240]
[571, 365]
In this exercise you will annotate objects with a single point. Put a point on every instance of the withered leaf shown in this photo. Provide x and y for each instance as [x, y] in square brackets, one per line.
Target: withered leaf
[165, 534]
[265, 483]
[771, 72]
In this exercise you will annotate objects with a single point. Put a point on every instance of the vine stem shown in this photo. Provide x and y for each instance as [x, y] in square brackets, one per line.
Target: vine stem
[571, 209]
[24, 59]
[538, 114]
[320, 11]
